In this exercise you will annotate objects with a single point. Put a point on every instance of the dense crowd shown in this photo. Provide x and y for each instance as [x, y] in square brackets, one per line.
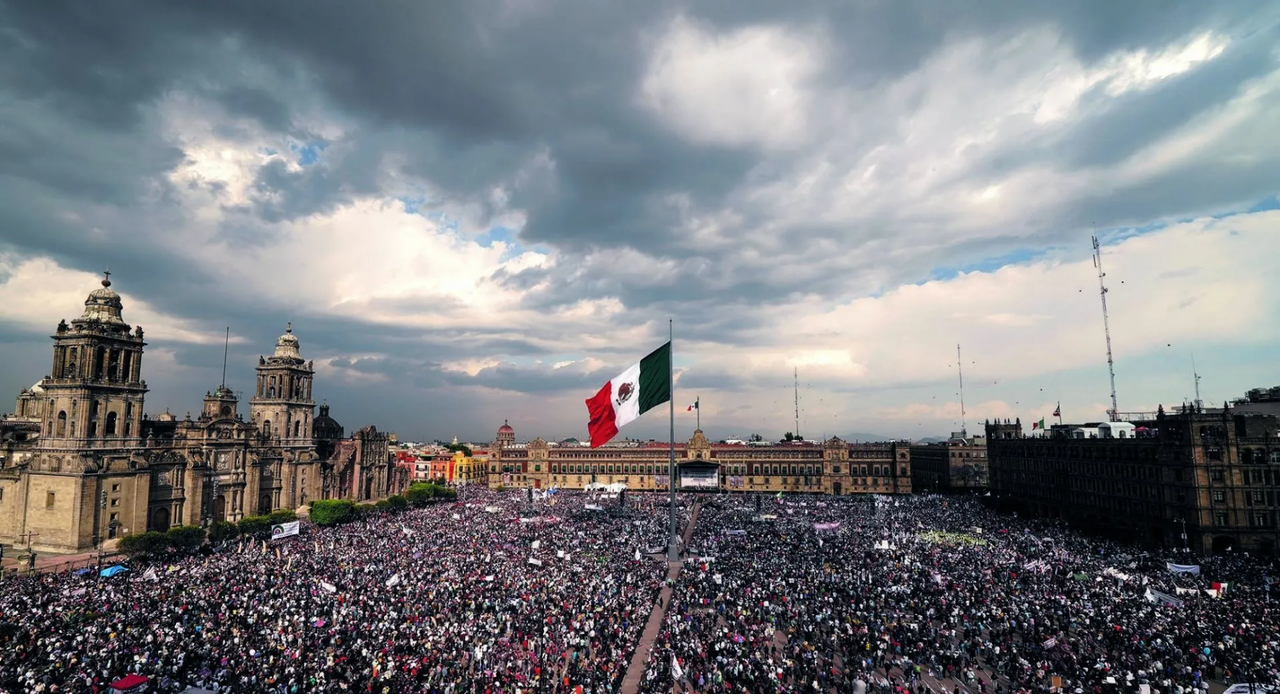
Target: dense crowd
[499, 594]
[941, 594]
[490, 594]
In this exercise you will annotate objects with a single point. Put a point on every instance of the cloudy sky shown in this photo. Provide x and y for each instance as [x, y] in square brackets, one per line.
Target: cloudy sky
[482, 210]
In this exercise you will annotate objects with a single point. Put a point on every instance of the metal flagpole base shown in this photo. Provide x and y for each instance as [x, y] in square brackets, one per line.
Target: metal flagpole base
[673, 550]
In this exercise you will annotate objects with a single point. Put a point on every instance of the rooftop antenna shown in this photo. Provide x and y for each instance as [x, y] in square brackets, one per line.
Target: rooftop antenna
[1114, 413]
[795, 374]
[960, 368]
[225, 346]
[1199, 403]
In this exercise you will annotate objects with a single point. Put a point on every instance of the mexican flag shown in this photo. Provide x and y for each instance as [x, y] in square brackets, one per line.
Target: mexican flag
[1037, 425]
[1221, 588]
[643, 386]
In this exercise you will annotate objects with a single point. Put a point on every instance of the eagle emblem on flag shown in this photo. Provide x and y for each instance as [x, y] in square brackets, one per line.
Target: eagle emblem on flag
[625, 391]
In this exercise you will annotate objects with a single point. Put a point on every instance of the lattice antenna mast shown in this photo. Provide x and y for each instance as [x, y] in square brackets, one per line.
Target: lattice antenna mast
[1199, 403]
[1114, 413]
[960, 370]
[225, 346]
[795, 374]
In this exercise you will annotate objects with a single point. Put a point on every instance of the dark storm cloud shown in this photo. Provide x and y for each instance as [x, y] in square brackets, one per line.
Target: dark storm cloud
[466, 94]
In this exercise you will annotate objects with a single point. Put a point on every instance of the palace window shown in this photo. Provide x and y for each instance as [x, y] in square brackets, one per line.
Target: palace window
[49, 499]
[1219, 496]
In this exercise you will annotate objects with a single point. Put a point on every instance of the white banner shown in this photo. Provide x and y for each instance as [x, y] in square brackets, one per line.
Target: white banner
[285, 530]
[1156, 596]
[1183, 568]
[535, 562]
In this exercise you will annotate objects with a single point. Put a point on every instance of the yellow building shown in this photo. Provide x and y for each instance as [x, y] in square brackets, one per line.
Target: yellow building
[833, 467]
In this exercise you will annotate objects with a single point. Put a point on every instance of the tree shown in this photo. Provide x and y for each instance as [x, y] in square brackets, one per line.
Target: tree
[755, 437]
[148, 544]
[789, 437]
[332, 511]
[397, 503]
[282, 515]
[255, 526]
[222, 530]
[186, 539]
[455, 447]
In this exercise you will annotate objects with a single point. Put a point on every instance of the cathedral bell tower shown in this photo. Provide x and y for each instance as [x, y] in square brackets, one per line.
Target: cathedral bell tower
[282, 406]
[94, 397]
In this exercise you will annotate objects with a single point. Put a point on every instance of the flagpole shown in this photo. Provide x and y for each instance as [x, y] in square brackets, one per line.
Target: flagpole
[1059, 413]
[697, 407]
[673, 549]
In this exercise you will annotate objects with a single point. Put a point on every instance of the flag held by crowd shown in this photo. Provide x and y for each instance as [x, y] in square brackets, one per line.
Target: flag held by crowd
[641, 387]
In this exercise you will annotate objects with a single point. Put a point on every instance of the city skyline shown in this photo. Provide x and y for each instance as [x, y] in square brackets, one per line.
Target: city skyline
[466, 221]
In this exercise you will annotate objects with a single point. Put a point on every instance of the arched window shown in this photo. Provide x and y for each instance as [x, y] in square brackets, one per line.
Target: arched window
[266, 427]
[297, 428]
[62, 423]
[111, 424]
[271, 391]
[93, 428]
[225, 411]
[100, 363]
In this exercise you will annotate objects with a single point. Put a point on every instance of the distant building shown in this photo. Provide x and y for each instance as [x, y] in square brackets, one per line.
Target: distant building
[832, 467]
[957, 464]
[82, 464]
[1205, 480]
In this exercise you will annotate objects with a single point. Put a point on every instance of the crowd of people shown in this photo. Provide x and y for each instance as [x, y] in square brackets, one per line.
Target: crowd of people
[491, 594]
[501, 593]
[932, 593]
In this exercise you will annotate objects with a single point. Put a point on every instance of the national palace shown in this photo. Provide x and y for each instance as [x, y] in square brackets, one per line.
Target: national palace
[81, 463]
[832, 467]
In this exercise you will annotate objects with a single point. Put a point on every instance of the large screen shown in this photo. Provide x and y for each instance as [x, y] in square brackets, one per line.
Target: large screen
[699, 479]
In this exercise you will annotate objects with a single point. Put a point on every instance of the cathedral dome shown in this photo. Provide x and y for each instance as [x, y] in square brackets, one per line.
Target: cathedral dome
[287, 345]
[103, 305]
[506, 428]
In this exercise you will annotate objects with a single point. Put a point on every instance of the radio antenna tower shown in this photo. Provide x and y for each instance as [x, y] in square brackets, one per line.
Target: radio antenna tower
[1114, 413]
[226, 345]
[795, 374]
[1199, 403]
[960, 370]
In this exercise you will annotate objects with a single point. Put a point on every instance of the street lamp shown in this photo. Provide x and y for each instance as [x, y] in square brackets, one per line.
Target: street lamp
[1185, 544]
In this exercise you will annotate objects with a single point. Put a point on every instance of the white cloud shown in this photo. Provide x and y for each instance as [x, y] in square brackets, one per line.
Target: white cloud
[33, 287]
[746, 87]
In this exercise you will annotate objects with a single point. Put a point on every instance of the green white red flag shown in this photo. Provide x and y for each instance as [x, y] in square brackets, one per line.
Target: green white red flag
[641, 387]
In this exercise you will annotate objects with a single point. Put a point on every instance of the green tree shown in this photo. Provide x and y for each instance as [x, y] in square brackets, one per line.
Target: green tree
[455, 447]
[222, 530]
[397, 503]
[332, 511]
[789, 437]
[186, 539]
[255, 526]
[282, 515]
[144, 545]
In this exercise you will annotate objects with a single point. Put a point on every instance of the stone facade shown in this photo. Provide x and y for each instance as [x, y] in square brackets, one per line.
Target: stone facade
[833, 467]
[82, 465]
[957, 464]
[1203, 480]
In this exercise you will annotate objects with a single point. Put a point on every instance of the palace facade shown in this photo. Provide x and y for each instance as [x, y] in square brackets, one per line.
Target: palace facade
[1197, 479]
[833, 467]
[957, 464]
[82, 464]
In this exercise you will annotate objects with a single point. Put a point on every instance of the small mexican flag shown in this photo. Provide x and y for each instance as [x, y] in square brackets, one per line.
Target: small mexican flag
[1221, 588]
[643, 386]
[1037, 425]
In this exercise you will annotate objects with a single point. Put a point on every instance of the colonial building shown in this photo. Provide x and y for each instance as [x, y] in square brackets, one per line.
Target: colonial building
[1203, 480]
[957, 464]
[82, 464]
[833, 467]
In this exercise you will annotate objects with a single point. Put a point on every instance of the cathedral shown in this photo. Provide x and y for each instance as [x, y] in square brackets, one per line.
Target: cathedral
[81, 464]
